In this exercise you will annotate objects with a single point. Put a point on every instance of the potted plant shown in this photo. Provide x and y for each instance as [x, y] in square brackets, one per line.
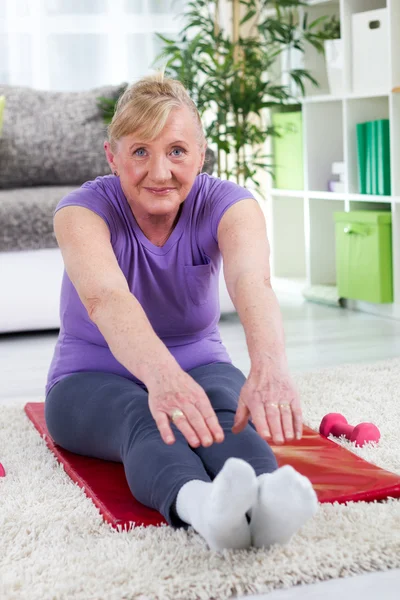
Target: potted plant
[334, 55]
[233, 76]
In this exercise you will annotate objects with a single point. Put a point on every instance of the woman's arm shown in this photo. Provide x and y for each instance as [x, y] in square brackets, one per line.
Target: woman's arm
[91, 264]
[130, 337]
[243, 242]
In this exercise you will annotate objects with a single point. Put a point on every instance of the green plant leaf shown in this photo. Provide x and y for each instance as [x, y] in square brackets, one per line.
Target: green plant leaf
[317, 22]
[249, 15]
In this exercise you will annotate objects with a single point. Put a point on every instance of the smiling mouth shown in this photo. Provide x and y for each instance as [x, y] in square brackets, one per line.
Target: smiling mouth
[159, 190]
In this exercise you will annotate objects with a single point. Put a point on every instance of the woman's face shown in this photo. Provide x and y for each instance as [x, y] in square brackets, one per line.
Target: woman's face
[157, 176]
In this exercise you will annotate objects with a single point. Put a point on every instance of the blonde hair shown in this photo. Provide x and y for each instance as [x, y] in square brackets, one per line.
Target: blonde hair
[144, 108]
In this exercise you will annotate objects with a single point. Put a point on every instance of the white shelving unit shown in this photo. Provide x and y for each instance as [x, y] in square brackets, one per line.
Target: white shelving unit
[302, 227]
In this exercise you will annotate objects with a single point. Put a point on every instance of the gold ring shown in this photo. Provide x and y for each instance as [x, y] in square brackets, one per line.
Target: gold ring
[284, 405]
[176, 413]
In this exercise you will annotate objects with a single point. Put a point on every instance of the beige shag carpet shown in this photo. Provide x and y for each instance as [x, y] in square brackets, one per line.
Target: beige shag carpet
[55, 544]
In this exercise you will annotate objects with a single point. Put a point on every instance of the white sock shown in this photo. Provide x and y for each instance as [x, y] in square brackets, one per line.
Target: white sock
[286, 500]
[217, 509]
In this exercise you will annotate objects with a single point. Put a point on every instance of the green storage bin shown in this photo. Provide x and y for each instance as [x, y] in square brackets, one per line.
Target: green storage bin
[288, 151]
[364, 256]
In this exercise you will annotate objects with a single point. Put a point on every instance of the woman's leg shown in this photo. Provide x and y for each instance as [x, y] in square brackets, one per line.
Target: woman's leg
[233, 465]
[107, 416]
[222, 383]
[285, 500]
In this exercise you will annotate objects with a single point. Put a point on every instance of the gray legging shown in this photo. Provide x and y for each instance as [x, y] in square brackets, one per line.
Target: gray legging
[107, 416]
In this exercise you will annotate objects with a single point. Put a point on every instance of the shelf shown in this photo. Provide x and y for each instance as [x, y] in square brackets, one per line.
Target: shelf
[366, 95]
[350, 96]
[350, 197]
[370, 198]
[288, 193]
[317, 2]
[327, 195]
[322, 98]
[312, 3]
[324, 195]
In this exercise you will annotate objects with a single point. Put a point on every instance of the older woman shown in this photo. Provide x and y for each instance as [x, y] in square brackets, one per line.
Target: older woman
[139, 373]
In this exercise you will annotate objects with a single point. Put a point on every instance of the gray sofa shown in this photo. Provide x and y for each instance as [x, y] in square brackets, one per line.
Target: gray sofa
[51, 143]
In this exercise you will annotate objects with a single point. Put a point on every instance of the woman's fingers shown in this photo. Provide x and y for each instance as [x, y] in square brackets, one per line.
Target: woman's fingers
[241, 417]
[193, 426]
[215, 427]
[187, 430]
[204, 421]
[298, 420]
[198, 422]
[274, 421]
[274, 405]
[260, 420]
[197, 427]
[163, 424]
[287, 420]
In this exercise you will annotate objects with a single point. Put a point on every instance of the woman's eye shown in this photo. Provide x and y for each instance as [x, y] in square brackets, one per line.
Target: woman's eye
[179, 151]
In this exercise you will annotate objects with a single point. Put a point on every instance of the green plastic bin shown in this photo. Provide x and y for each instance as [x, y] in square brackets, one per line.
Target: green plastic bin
[364, 256]
[288, 150]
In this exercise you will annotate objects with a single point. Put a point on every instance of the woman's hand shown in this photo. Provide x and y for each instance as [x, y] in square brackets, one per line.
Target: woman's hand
[177, 390]
[273, 403]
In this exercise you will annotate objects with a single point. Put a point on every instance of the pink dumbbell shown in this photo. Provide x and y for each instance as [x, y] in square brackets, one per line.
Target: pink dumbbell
[337, 425]
[2, 471]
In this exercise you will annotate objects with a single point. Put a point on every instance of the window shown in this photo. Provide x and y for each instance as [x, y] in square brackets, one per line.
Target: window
[71, 45]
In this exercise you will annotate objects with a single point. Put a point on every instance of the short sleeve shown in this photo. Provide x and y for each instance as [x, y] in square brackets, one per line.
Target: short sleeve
[95, 199]
[221, 196]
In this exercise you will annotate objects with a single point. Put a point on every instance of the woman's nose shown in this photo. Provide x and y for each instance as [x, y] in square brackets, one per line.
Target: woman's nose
[159, 169]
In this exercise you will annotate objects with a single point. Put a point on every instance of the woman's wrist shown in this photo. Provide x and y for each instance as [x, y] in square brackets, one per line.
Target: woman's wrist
[156, 374]
[263, 365]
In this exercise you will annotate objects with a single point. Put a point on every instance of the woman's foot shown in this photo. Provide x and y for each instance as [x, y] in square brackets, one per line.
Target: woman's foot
[286, 500]
[217, 510]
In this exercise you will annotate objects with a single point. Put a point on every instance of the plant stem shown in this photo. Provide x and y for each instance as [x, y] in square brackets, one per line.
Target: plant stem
[216, 33]
[235, 28]
[235, 39]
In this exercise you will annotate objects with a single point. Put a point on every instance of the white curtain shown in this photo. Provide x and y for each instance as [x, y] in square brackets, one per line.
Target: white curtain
[71, 45]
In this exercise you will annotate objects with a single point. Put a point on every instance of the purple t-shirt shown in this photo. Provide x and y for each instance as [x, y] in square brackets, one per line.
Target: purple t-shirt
[176, 284]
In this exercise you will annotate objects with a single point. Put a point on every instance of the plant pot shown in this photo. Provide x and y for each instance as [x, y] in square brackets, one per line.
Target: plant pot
[334, 59]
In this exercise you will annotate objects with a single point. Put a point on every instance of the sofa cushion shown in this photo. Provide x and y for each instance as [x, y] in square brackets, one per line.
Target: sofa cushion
[55, 138]
[52, 138]
[26, 217]
[26, 214]
[2, 104]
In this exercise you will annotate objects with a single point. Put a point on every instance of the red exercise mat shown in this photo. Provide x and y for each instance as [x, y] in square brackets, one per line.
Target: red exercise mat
[336, 474]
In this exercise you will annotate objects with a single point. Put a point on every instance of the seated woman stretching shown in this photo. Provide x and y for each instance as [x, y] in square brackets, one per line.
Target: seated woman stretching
[139, 373]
